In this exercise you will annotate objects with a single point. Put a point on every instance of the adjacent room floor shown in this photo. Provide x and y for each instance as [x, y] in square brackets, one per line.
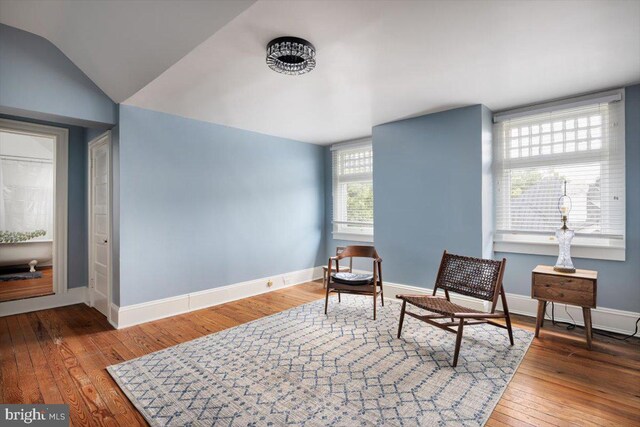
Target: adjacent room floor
[558, 383]
[27, 288]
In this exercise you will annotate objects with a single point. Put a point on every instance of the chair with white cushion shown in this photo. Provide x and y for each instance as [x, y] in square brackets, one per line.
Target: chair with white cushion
[351, 283]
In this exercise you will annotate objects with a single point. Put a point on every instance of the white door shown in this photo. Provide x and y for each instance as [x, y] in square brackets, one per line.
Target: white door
[99, 224]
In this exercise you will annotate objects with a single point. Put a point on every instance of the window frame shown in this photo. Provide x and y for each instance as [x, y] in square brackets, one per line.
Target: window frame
[344, 230]
[543, 243]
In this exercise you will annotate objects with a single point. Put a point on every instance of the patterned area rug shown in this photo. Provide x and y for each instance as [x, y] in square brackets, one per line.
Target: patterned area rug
[300, 367]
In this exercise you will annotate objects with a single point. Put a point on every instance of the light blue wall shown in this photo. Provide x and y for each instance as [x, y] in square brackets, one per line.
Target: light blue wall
[38, 81]
[427, 184]
[430, 179]
[203, 205]
[618, 282]
[77, 202]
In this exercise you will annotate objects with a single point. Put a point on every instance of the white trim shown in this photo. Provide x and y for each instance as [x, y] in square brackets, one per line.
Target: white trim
[70, 297]
[61, 188]
[561, 104]
[135, 314]
[341, 227]
[113, 315]
[606, 319]
[551, 249]
[60, 245]
[103, 139]
[353, 237]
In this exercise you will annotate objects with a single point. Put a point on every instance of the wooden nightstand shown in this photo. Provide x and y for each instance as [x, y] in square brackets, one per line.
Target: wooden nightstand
[579, 288]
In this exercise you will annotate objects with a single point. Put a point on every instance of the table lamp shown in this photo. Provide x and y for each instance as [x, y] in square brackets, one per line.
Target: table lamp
[564, 235]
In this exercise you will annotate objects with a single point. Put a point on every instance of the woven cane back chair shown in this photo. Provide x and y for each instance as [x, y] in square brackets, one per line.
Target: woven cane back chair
[373, 287]
[474, 277]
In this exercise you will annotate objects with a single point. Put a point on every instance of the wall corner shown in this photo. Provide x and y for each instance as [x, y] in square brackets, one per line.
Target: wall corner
[487, 182]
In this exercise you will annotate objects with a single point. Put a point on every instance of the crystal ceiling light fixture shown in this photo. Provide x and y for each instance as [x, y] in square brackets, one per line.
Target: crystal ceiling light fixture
[291, 55]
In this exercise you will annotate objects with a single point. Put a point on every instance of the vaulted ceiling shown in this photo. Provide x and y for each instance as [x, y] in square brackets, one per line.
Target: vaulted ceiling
[122, 45]
[378, 61]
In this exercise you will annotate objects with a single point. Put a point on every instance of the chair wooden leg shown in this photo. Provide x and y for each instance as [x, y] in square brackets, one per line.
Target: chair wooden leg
[507, 318]
[339, 299]
[539, 317]
[458, 342]
[404, 306]
[326, 300]
[375, 302]
[380, 280]
[586, 312]
[446, 295]
[509, 330]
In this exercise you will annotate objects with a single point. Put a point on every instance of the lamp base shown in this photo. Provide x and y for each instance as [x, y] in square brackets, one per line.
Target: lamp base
[564, 269]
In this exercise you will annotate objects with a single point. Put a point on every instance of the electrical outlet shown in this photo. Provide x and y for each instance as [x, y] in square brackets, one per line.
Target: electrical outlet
[270, 283]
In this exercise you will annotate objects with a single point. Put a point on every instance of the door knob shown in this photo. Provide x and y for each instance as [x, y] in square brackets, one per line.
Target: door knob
[105, 240]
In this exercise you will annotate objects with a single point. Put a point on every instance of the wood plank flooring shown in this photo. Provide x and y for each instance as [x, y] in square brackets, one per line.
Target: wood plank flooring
[60, 355]
[20, 289]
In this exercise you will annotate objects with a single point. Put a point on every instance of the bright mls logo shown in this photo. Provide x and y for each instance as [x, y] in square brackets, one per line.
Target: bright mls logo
[34, 415]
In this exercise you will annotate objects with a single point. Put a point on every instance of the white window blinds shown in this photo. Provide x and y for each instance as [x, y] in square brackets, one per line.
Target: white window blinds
[582, 145]
[353, 188]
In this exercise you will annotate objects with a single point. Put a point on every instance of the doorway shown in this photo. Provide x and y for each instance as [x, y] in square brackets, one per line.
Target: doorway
[33, 210]
[99, 168]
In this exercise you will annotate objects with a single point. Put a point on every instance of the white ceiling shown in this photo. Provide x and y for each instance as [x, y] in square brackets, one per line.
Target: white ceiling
[378, 61]
[122, 45]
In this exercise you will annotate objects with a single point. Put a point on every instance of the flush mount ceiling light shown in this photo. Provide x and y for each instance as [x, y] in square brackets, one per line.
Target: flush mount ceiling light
[291, 55]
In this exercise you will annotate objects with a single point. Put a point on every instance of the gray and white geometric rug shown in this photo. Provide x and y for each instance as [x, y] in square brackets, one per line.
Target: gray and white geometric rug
[300, 367]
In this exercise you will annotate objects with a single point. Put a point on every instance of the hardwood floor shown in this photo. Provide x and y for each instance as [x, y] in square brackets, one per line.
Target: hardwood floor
[20, 289]
[60, 355]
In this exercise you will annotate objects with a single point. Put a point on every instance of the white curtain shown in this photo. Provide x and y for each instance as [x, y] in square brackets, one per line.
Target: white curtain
[27, 196]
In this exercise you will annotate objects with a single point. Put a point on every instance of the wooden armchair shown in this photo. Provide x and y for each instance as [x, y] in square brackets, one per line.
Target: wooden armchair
[474, 277]
[325, 271]
[365, 287]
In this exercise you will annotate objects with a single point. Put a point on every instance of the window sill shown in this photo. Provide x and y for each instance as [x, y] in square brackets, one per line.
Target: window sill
[551, 249]
[354, 237]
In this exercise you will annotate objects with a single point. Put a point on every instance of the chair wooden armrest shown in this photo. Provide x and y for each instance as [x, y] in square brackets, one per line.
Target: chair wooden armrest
[416, 296]
[342, 269]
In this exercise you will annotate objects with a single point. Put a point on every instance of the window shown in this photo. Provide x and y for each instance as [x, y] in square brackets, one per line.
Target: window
[353, 191]
[580, 143]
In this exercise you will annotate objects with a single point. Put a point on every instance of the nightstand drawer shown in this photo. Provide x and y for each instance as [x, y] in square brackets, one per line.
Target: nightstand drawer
[568, 290]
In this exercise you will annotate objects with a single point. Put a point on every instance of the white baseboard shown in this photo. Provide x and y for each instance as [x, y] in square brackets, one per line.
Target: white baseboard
[113, 318]
[122, 317]
[606, 319]
[70, 297]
